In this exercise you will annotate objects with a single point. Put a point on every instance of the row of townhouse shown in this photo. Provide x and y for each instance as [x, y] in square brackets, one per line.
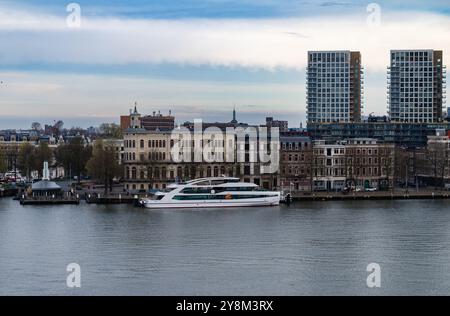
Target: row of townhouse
[317, 165]
[304, 164]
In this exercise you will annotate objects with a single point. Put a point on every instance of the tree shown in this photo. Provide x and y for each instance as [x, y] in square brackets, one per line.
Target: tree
[36, 126]
[74, 157]
[386, 159]
[311, 161]
[3, 161]
[110, 130]
[42, 153]
[11, 156]
[350, 167]
[26, 159]
[104, 165]
[437, 156]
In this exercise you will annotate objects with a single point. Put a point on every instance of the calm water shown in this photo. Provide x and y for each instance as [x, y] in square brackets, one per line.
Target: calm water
[310, 248]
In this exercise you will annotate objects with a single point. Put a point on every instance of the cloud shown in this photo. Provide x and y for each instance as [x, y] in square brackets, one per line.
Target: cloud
[335, 3]
[257, 43]
[68, 95]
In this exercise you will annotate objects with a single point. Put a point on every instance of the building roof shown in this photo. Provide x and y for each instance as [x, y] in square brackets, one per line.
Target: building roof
[45, 185]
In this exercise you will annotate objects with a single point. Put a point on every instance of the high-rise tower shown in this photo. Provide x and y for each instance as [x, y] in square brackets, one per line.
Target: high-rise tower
[416, 86]
[334, 86]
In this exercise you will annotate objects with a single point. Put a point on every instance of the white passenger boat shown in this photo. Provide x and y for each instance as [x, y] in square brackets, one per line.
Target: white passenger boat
[211, 193]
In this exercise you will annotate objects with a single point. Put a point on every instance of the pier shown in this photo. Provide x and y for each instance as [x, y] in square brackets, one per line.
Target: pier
[111, 199]
[46, 192]
[49, 201]
[8, 192]
[379, 195]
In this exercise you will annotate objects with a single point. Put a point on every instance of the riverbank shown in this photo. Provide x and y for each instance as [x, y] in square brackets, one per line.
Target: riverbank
[379, 195]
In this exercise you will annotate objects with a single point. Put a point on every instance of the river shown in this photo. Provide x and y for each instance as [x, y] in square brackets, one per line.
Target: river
[314, 248]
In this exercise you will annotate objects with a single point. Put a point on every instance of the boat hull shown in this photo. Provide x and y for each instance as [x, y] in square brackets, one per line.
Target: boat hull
[208, 204]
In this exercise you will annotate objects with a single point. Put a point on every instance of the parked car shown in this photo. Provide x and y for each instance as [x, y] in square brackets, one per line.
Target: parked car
[371, 189]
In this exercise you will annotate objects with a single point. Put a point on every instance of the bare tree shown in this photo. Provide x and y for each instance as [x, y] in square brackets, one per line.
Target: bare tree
[311, 163]
[437, 156]
[386, 162]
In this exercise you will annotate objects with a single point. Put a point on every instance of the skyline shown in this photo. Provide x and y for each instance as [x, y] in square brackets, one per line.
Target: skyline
[207, 55]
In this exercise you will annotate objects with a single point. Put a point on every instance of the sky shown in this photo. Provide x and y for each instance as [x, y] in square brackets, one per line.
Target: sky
[198, 59]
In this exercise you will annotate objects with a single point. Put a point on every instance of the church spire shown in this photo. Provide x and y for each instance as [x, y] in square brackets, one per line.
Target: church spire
[234, 115]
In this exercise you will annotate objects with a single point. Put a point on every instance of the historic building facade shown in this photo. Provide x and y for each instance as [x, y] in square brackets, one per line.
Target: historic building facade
[152, 159]
[361, 163]
[295, 162]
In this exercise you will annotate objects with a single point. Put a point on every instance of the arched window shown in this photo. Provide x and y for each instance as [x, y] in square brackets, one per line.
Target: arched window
[133, 173]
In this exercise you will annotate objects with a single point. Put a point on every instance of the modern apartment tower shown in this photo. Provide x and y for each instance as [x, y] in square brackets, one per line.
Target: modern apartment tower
[334, 86]
[416, 86]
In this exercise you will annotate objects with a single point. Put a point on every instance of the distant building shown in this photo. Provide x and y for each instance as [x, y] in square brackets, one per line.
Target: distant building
[125, 122]
[416, 86]
[158, 122]
[403, 134]
[334, 86]
[282, 125]
[154, 122]
[221, 125]
[379, 119]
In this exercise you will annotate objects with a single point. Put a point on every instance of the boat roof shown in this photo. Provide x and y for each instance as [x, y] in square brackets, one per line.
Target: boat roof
[235, 181]
[213, 179]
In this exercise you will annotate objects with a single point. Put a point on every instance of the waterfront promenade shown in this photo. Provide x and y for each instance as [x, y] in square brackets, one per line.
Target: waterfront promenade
[397, 194]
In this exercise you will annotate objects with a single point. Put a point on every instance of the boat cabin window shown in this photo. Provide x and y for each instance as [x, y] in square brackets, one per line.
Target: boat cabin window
[220, 197]
[234, 189]
[218, 182]
[196, 190]
[203, 183]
